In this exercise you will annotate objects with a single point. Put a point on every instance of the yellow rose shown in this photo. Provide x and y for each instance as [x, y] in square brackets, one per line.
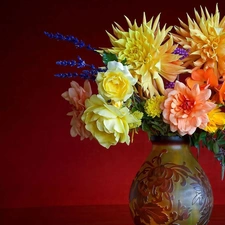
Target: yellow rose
[107, 123]
[116, 83]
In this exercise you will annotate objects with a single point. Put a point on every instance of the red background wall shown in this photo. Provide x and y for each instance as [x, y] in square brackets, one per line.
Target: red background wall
[40, 164]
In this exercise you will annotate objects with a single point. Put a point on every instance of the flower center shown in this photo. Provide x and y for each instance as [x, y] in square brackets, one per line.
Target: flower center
[187, 104]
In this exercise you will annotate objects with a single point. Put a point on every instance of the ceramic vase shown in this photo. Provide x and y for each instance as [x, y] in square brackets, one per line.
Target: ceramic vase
[171, 187]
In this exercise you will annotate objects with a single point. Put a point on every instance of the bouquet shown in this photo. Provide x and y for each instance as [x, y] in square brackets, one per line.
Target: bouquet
[165, 81]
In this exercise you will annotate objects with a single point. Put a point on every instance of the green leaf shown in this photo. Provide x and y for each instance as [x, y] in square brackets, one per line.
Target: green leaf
[220, 134]
[202, 135]
[221, 142]
[124, 62]
[210, 145]
[216, 148]
[107, 57]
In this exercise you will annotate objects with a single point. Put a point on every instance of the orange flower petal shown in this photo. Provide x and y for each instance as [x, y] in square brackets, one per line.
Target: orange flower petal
[222, 93]
[212, 77]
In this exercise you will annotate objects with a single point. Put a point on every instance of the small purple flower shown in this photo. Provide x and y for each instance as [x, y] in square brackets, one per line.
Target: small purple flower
[169, 84]
[78, 43]
[182, 52]
[89, 73]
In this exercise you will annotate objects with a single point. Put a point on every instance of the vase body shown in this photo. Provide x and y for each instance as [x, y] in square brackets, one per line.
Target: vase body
[170, 188]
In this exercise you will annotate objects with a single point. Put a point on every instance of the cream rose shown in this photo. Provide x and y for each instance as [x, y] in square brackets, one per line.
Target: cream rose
[107, 123]
[116, 83]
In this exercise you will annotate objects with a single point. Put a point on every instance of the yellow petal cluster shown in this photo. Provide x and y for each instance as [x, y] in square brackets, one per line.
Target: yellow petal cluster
[216, 120]
[152, 106]
[204, 38]
[148, 50]
[138, 115]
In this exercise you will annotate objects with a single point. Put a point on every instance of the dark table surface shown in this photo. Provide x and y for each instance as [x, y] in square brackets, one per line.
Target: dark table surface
[83, 215]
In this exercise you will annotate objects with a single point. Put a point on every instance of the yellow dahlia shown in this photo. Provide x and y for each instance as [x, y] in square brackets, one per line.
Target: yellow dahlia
[204, 38]
[216, 120]
[148, 51]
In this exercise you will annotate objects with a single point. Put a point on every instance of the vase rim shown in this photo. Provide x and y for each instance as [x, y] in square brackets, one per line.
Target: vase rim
[176, 139]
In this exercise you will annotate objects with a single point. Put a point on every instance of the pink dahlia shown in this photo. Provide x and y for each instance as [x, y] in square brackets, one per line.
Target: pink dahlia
[186, 109]
[76, 95]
